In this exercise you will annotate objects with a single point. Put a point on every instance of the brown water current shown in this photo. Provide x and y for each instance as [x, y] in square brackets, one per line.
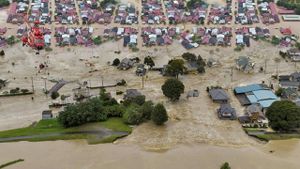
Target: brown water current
[79, 155]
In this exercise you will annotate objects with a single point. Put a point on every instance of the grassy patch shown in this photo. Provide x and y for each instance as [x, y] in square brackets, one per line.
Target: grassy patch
[11, 163]
[276, 136]
[50, 130]
[116, 124]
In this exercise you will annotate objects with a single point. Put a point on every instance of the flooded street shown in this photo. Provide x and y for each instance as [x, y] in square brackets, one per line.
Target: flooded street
[78, 155]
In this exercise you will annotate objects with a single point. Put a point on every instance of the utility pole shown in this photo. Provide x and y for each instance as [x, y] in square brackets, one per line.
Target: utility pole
[45, 81]
[32, 84]
[143, 81]
[231, 74]
[265, 70]
[102, 81]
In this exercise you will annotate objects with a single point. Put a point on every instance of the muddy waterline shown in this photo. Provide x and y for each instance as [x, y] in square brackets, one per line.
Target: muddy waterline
[79, 155]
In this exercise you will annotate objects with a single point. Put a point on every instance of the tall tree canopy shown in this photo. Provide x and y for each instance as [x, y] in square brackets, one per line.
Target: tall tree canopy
[284, 115]
[173, 88]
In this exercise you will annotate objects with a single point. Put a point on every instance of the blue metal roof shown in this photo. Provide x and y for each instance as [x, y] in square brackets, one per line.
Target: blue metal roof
[249, 88]
[264, 95]
[266, 103]
[252, 99]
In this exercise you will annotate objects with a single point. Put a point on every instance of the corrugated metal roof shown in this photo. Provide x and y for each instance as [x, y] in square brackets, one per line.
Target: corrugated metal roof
[264, 95]
[252, 99]
[246, 89]
[266, 103]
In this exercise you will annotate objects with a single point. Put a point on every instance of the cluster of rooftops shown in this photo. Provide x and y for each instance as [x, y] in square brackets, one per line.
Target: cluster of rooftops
[256, 97]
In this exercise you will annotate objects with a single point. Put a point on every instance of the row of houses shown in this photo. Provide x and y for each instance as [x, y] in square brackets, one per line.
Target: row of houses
[126, 14]
[268, 12]
[152, 12]
[40, 11]
[159, 36]
[206, 36]
[65, 12]
[17, 12]
[90, 12]
[244, 34]
[220, 14]
[128, 34]
[246, 12]
[175, 11]
[73, 36]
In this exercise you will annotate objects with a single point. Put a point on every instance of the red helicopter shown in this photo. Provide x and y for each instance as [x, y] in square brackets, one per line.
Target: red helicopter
[34, 38]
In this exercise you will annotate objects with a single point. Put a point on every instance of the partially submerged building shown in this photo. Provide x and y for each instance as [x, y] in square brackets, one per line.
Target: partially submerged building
[226, 112]
[218, 95]
[255, 94]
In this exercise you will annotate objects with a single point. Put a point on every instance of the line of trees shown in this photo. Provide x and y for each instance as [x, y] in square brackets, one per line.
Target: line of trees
[133, 111]
[289, 5]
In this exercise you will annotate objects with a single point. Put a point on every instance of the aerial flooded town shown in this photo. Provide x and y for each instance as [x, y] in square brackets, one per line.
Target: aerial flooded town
[87, 84]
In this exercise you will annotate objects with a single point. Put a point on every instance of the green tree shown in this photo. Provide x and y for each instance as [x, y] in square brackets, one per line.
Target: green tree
[175, 67]
[173, 88]
[116, 62]
[97, 40]
[159, 114]
[225, 166]
[146, 109]
[283, 116]
[132, 115]
[189, 56]
[149, 61]
[139, 100]
[54, 95]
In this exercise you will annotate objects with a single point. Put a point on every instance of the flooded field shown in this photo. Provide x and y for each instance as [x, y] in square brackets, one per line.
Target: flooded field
[49, 155]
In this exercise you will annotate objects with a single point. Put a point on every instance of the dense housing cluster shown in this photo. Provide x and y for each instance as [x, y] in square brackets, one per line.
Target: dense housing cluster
[220, 14]
[65, 12]
[159, 36]
[246, 12]
[268, 12]
[40, 11]
[128, 34]
[175, 11]
[244, 34]
[126, 14]
[208, 36]
[73, 36]
[17, 12]
[90, 13]
[152, 12]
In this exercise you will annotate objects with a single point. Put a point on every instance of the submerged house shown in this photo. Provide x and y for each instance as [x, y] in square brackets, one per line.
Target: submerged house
[226, 112]
[244, 64]
[218, 95]
[290, 81]
[255, 94]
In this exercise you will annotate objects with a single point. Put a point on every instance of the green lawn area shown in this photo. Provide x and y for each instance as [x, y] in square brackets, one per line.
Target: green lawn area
[270, 136]
[116, 124]
[274, 136]
[47, 130]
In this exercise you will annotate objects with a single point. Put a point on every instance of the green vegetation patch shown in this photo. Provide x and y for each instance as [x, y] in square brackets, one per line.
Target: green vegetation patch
[50, 130]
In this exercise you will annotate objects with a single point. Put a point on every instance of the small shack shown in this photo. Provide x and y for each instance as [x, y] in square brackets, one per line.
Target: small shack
[47, 114]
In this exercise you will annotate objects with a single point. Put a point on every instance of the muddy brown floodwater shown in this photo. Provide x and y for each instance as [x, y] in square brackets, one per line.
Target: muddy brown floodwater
[79, 155]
